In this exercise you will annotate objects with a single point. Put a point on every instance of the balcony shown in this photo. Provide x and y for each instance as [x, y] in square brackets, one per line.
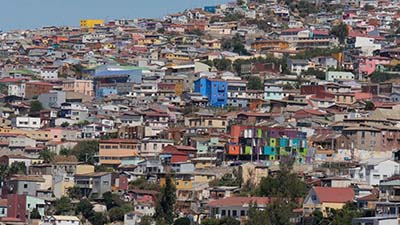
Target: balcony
[394, 198]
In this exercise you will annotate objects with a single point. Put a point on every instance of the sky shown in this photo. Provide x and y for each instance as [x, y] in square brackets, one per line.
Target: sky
[29, 14]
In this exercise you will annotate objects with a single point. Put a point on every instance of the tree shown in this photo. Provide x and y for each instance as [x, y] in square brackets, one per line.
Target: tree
[46, 155]
[143, 184]
[112, 200]
[35, 214]
[319, 74]
[240, 2]
[222, 64]
[278, 212]
[17, 168]
[165, 204]
[116, 214]
[235, 45]
[65, 151]
[368, 7]
[369, 105]
[98, 218]
[182, 221]
[285, 185]
[85, 151]
[4, 170]
[36, 106]
[146, 220]
[222, 221]
[255, 83]
[344, 215]
[85, 208]
[340, 31]
[63, 205]
[74, 192]
[196, 32]
[65, 124]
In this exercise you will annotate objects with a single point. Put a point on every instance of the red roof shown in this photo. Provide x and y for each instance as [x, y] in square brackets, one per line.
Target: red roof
[334, 195]
[239, 201]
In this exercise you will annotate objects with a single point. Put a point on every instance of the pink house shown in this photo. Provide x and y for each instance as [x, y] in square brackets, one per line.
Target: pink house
[367, 65]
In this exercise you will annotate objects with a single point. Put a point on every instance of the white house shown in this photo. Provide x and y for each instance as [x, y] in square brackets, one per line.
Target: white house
[374, 170]
[49, 74]
[61, 220]
[16, 89]
[338, 75]
[28, 122]
[297, 66]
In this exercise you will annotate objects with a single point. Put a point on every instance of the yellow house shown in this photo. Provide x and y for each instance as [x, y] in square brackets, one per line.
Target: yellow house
[204, 177]
[177, 56]
[182, 181]
[90, 23]
[326, 198]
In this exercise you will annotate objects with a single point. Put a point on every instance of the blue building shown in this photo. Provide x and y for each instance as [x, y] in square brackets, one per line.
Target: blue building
[103, 92]
[214, 89]
[210, 9]
[119, 78]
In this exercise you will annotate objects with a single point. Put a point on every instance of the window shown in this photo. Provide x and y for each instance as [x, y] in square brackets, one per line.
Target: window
[25, 185]
[234, 213]
[242, 213]
[223, 212]
[314, 197]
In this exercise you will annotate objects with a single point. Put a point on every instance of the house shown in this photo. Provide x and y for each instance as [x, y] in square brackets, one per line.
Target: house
[34, 89]
[376, 170]
[24, 185]
[79, 86]
[174, 154]
[378, 220]
[235, 207]
[326, 198]
[28, 122]
[52, 99]
[61, 220]
[214, 89]
[297, 66]
[113, 150]
[338, 75]
[93, 184]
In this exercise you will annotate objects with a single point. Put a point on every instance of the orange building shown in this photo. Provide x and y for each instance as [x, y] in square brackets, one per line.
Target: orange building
[270, 44]
[113, 150]
[79, 86]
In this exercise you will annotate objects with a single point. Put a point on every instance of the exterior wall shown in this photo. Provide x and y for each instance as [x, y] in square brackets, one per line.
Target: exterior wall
[382, 171]
[111, 153]
[82, 169]
[17, 90]
[79, 86]
[16, 206]
[28, 122]
[337, 75]
[49, 74]
[91, 23]
[215, 90]
[33, 89]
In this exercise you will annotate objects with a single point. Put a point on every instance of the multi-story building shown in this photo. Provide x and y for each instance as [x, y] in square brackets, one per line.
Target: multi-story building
[214, 89]
[260, 142]
[112, 151]
[79, 86]
[34, 89]
[93, 184]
